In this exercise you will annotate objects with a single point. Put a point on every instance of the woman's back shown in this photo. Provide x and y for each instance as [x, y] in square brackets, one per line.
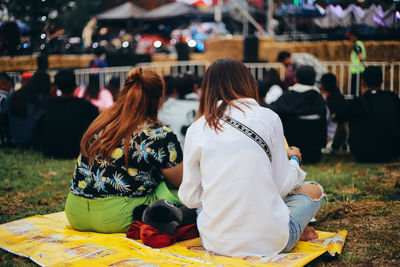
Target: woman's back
[229, 176]
[242, 209]
[127, 158]
[152, 148]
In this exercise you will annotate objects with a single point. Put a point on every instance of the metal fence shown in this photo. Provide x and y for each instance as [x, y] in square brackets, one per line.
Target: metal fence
[105, 74]
[258, 69]
[173, 68]
[15, 76]
[342, 70]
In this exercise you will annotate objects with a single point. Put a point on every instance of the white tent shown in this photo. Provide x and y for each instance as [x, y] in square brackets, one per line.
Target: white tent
[122, 12]
[374, 16]
[171, 10]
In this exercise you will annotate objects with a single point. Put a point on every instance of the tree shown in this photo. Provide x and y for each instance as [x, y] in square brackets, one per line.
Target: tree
[68, 15]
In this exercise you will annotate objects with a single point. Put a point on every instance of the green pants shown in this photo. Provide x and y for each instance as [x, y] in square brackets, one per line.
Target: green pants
[111, 214]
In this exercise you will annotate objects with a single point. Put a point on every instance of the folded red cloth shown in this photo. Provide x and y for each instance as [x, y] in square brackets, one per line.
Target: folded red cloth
[134, 230]
[155, 238]
[186, 232]
[158, 239]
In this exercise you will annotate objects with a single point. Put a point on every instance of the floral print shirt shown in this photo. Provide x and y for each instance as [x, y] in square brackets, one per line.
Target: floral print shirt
[150, 149]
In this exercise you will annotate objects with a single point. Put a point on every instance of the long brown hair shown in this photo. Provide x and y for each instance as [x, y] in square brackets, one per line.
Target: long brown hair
[93, 88]
[139, 100]
[226, 80]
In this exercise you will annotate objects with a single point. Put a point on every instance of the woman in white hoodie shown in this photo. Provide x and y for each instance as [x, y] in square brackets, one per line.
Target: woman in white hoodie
[248, 187]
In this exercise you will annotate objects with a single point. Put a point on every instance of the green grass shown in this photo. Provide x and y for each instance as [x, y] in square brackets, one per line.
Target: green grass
[361, 198]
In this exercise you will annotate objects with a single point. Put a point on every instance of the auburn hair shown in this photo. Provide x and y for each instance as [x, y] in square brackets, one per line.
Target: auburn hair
[138, 102]
[226, 80]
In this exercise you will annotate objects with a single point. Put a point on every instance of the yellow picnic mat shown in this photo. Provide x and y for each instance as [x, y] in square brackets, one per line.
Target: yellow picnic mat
[49, 240]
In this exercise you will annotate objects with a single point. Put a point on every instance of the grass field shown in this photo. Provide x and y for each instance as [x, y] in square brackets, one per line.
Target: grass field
[361, 198]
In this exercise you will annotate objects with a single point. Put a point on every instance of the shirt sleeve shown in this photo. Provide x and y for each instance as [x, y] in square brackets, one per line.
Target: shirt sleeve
[167, 151]
[287, 173]
[273, 94]
[190, 191]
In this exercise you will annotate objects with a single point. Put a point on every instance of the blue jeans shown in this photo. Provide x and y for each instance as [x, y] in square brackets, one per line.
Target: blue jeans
[302, 209]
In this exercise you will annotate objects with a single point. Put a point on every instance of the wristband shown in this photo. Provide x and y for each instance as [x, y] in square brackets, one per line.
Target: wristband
[296, 159]
[296, 156]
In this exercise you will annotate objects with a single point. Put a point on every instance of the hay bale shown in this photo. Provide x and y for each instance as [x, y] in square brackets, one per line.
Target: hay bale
[268, 51]
[69, 61]
[224, 48]
[19, 63]
[158, 57]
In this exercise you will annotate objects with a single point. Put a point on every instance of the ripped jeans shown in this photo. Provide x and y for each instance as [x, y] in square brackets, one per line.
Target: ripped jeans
[302, 209]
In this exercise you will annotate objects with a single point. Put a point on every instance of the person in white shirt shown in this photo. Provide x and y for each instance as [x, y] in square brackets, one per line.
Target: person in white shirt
[275, 86]
[248, 204]
[179, 113]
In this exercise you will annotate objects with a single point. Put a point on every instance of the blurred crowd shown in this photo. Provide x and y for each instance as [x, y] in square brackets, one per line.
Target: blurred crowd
[160, 39]
[52, 113]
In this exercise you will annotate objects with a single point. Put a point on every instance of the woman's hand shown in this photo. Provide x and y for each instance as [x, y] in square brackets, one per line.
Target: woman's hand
[294, 152]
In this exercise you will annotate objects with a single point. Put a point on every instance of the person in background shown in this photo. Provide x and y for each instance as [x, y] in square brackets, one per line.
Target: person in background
[53, 33]
[26, 110]
[88, 32]
[262, 92]
[285, 59]
[66, 118]
[98, 61]
[179, 113]
[374, 120]
[275, 87]
[335, 101]
[303, 113]
[197, 84]
[10, 38]
[6, 86]
[358, 56]
[169, 87]
[113, 86]
[250, 202]
[127, 159]
[6, 83]
[100, 97]
[182, 49]
[25, 77]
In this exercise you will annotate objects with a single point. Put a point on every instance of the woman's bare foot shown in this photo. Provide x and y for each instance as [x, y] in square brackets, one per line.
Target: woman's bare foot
[308, 234]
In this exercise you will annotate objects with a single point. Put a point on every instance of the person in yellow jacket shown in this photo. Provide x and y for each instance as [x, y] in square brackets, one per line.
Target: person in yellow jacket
[358, 56]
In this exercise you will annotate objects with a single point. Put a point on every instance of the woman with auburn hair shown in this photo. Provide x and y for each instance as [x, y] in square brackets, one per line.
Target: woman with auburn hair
[247, 186]
[127, 159]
